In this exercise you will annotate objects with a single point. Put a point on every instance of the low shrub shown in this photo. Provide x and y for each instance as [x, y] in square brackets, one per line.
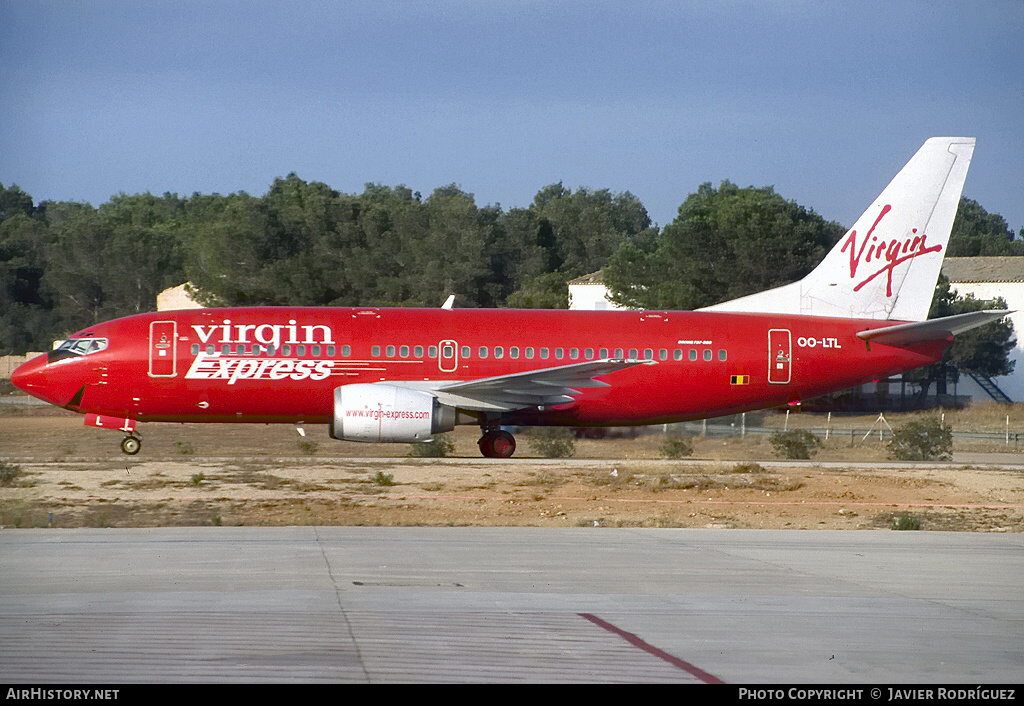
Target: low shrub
[795, 443]
[382, 478]
[307, 447]
[9, 473]
[676, 446]
[553, 442]
[438, 446]
[905, 522]
[922, 440]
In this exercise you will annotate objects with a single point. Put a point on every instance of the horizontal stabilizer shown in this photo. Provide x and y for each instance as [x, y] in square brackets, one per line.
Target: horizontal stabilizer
[932, 329]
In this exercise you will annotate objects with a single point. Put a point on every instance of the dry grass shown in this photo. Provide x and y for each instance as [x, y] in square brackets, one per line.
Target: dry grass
[258, 475]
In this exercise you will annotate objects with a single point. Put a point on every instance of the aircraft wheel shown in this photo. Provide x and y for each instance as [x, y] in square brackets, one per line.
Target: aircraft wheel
[497, 444]
[131, 445]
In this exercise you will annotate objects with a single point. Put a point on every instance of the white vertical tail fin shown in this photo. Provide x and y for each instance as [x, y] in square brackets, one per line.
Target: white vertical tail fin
[887, 265]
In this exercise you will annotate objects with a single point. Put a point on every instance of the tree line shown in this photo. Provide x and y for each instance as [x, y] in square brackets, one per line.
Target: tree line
[65, 265]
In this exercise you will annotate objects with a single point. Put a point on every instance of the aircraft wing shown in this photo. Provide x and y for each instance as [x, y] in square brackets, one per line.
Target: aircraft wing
[931, 329]
[534, 388]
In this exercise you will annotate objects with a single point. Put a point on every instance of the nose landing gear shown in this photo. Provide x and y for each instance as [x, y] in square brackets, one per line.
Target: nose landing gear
[131, 444]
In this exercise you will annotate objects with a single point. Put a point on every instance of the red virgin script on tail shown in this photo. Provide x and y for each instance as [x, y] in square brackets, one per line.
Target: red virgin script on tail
[892, 252]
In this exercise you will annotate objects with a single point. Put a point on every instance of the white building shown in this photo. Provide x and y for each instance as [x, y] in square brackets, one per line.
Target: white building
[589, 293]
[988, 278]
[176, 298]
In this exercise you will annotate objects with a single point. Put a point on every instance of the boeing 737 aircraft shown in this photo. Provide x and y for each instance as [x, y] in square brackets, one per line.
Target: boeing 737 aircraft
[402, 375]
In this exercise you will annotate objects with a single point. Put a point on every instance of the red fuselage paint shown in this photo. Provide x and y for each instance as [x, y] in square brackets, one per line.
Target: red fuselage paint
[281, 364]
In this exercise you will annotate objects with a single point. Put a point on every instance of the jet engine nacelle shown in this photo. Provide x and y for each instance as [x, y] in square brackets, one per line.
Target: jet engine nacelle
[378, 412]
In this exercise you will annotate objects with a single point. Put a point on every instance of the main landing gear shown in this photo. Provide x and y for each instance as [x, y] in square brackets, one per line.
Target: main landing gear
[131, 444]
[497, 443]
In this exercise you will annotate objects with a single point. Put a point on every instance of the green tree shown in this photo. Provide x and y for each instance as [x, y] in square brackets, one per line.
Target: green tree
[724, 243]
[99, 266]
[451, 257]
[580, 230]
[983, 351]
[978, 232]
[27, 320]
[546, 291]
[570, 233]
[14, 201]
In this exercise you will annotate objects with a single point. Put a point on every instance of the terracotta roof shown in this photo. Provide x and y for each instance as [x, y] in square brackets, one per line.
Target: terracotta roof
[984, 269]
[592, 278]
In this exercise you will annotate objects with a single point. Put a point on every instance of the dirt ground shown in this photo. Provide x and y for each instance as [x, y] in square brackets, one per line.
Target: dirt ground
[69, 475]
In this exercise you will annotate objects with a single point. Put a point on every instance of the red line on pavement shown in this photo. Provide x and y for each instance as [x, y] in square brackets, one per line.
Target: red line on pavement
[652, 650]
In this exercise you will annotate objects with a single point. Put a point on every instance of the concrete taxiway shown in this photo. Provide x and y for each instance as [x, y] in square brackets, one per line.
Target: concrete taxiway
[371, 604]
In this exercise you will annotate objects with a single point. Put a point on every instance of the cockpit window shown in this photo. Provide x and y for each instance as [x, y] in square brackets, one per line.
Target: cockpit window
[82, 346]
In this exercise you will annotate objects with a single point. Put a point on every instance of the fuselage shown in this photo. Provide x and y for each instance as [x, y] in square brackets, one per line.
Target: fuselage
[282, 364]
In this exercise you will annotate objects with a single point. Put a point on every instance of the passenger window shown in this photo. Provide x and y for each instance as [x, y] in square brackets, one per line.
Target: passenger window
[390, 351]
[346, 351]
[648, 354]
[721, 354]
[693, 354]
[707, 354]
[300, 351]
[678, 354]
[513, 352]
[662, 354]
[465, 351]
[574, 353]
[499, 352]
[404, 351]
[589, 354]
[618, 353]
[482, 352]
[195, 349]
[316, 351]
[529, 351]
[375, 351]
[417, 352]
[544, 353]
[448, 351]
[210, 348]
[604, 353]
[432, 352]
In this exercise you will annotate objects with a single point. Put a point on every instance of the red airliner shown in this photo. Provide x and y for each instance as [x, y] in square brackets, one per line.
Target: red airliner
[403, 375]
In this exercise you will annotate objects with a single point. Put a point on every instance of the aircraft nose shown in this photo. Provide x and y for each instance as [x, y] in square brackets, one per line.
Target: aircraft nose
[33, 377]
[26, 376]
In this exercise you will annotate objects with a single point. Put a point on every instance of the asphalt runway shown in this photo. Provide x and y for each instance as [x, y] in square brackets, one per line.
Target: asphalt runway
[371, 604]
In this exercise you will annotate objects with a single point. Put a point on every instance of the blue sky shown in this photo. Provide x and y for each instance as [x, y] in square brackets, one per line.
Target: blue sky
[824, 101]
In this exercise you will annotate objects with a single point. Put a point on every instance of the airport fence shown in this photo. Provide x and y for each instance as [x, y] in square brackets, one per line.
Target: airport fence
[880, 432]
